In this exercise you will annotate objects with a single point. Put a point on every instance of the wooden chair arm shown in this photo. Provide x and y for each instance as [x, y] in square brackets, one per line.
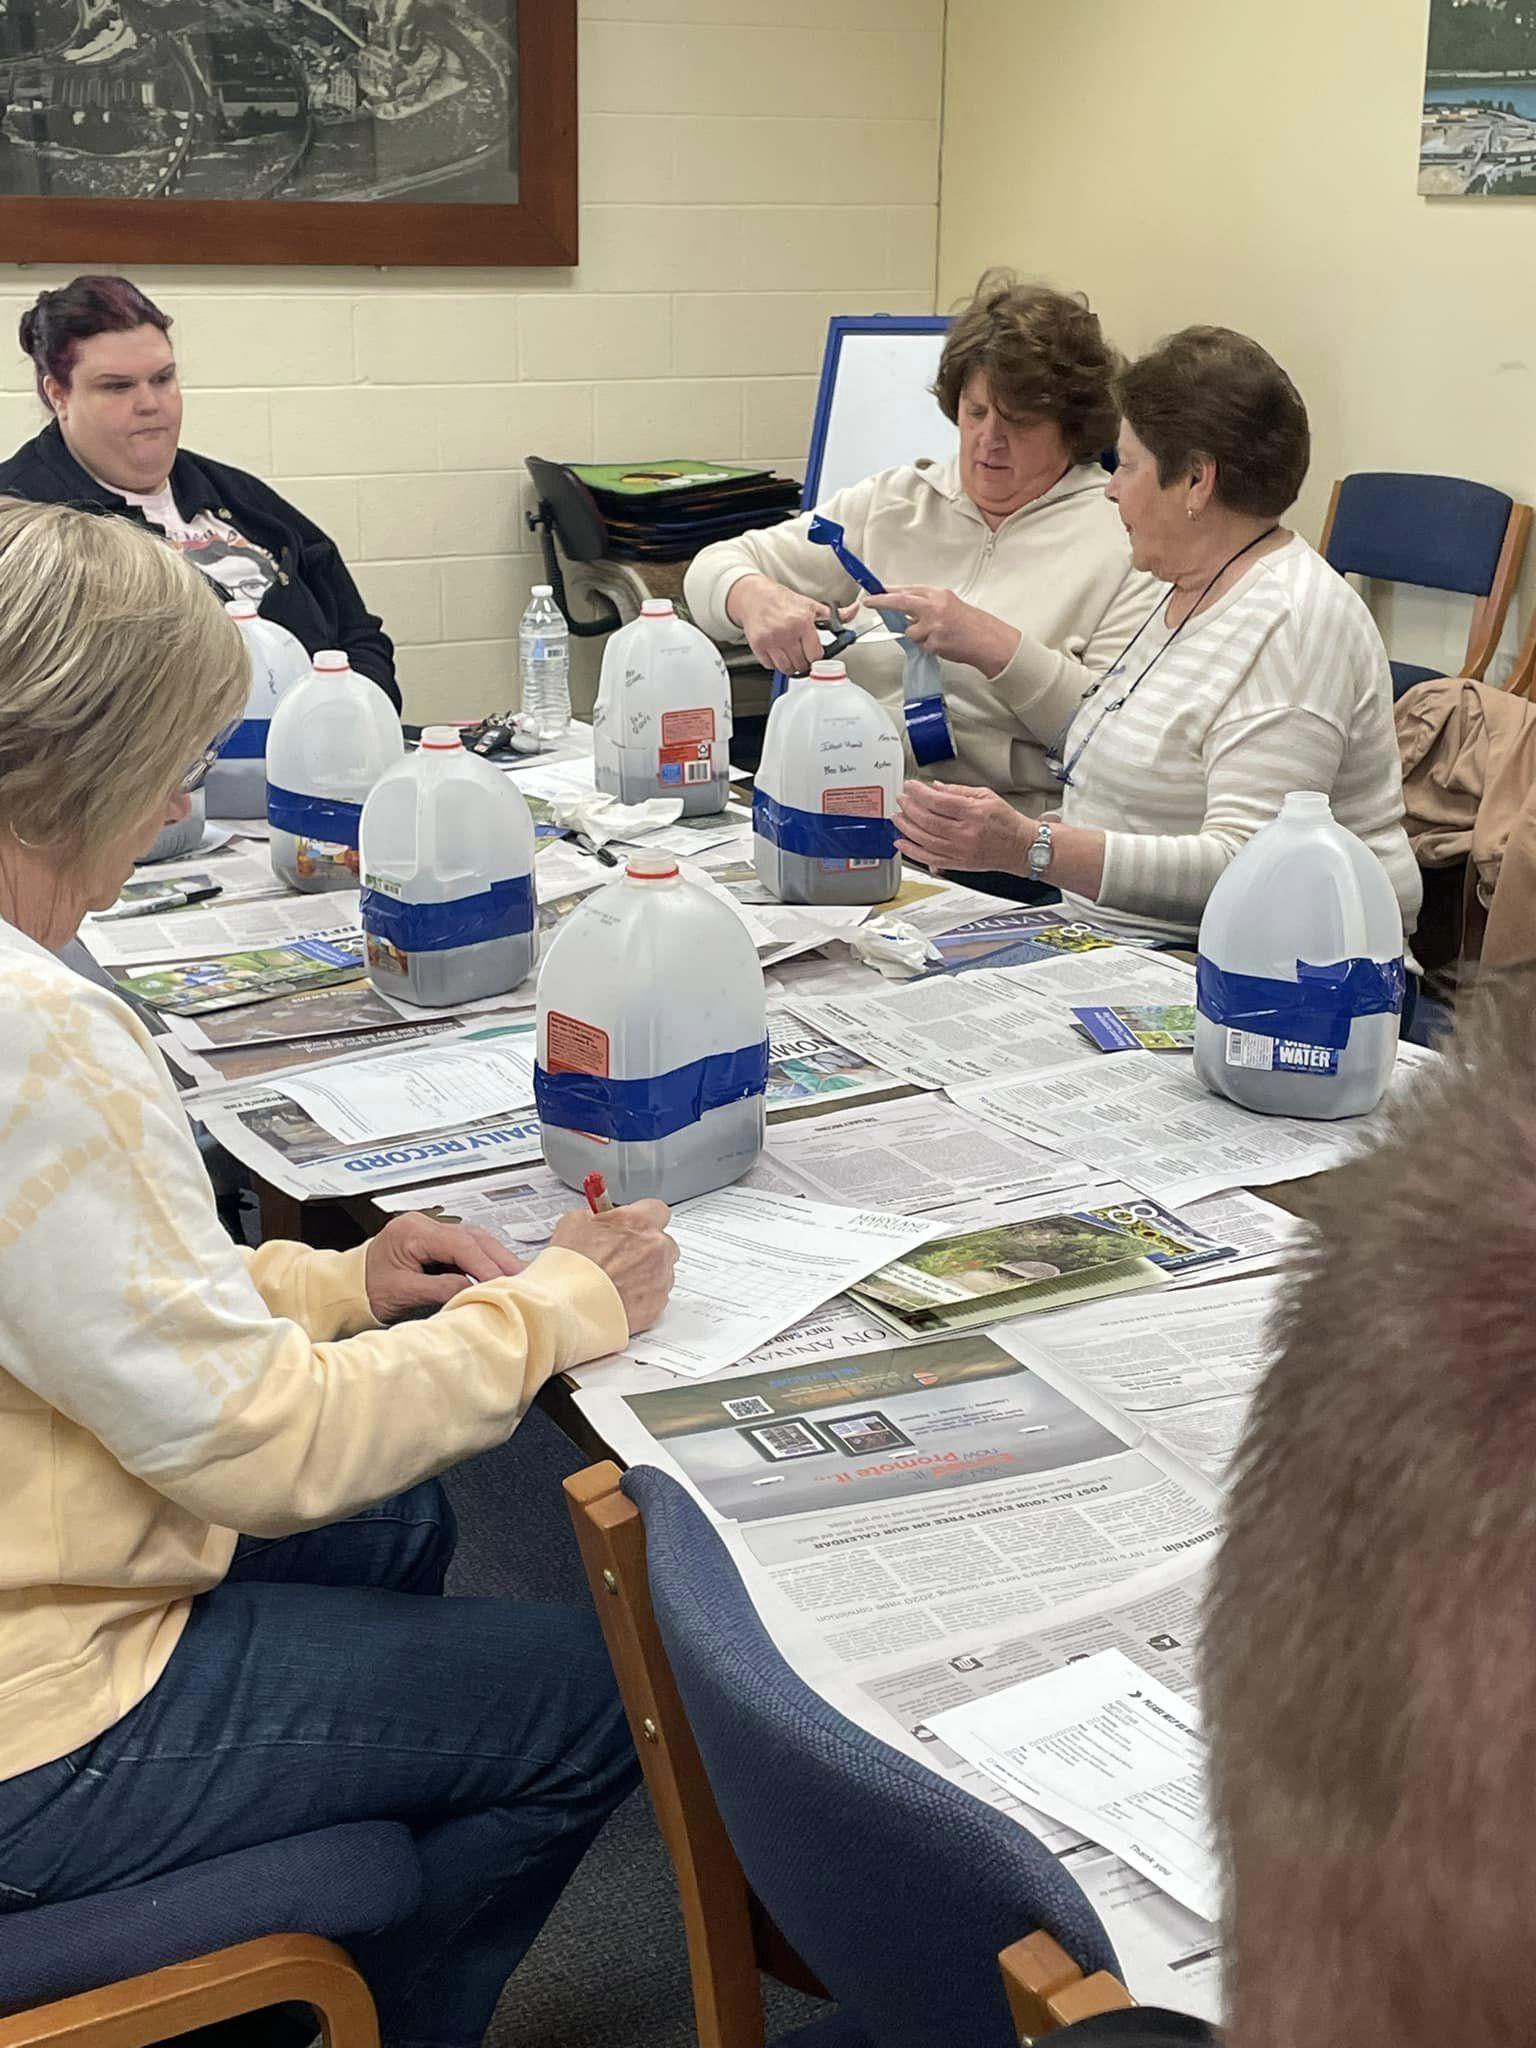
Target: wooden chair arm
[279, 1969]
[1047, 1990]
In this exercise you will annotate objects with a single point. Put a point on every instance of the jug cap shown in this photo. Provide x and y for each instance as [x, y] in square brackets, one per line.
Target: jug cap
[656, 608]
[828, 672]
[541, 590]
[441, 739]
[1307, 803]
[650, 867]
[241, 608]
[330, 661]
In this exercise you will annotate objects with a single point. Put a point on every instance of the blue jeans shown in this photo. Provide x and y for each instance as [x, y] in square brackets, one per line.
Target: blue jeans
[321, 1682]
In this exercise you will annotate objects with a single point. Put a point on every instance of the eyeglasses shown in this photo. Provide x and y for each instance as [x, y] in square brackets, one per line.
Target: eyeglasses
[197, 774]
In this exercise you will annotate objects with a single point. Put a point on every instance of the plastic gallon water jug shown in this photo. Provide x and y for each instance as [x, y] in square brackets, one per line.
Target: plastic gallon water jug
[449, 911]
[662, 722]
[237, 781]
[176, 840]
[331, 738]
[652, 1046]
[823, 817]
[1300, 970]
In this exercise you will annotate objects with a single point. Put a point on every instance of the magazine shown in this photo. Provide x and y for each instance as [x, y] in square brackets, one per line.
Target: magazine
[1015, 938]
[1140, 1027]
[1006, 1270]
[186, 988]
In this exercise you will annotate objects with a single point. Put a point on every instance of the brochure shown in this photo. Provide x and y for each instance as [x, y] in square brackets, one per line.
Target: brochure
[1141, 1027]
[188, 987]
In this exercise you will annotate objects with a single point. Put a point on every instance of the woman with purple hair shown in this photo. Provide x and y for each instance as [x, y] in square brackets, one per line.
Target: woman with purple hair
[106, 373]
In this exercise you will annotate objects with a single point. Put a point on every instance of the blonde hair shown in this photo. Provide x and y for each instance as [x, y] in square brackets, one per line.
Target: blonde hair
[118, 666]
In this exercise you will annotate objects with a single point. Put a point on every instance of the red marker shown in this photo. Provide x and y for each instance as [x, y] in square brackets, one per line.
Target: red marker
[595, 1188]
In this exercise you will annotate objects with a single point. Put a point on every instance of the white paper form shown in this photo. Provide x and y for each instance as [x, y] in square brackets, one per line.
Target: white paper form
[753, 1264]
[913, 1155]
[1101, 1746]
[430, 1088]
[198, 933]
[1144, 1115]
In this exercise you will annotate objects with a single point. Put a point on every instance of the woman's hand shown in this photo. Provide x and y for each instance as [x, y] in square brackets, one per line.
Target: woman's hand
[396, 1274]
[970, 831]
[953, 630]
[779, 623]
[633, 1249]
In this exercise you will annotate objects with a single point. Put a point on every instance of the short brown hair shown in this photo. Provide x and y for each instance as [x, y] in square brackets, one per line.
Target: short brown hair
[1209, 391]
[1370, 1656]
[1043, 354]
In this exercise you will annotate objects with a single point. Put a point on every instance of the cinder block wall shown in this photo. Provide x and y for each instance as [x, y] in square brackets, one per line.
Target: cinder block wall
[748, 168]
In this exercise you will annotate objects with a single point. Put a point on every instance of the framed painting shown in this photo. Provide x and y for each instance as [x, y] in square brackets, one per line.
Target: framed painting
[1477, 138]
[288, 131]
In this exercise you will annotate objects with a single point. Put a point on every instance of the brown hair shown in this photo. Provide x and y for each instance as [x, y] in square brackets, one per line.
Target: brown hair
[1209, 391]
[1370, 1658]
[54, 325]
[1043, 354]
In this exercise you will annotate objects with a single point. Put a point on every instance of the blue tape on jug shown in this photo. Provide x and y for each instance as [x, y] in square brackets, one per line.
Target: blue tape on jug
[504, 911]
[313, 817]
[639, 1112]
[823, 835]
[248, 741]
[1316, 1009]
[827, 533]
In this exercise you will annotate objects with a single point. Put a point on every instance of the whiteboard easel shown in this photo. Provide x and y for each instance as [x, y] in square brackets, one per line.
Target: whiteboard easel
[875, 407]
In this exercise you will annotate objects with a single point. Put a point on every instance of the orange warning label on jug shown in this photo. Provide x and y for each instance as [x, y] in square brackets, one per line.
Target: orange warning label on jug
[683, 728]
[574, 1047]
[854, 803]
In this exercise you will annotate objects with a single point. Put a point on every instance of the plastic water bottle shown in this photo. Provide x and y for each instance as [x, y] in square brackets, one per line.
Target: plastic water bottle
[823, 816]
[1300, 970]
[331, 738]
[237, 781]
[174, 841]
[662, 722]
[544, 663]
[449, 910]
[652, 1045]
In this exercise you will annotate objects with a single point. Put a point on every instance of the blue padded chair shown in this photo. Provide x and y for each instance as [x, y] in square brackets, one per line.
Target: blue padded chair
[213, 1940]
[823, 1854]
[1440, 532]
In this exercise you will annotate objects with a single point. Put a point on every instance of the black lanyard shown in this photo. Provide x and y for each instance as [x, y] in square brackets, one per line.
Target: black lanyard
[1061, 768]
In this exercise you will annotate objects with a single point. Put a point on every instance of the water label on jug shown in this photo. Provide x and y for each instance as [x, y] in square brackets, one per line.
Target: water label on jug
[686, 753]
[851, 803]
[1280, 1055]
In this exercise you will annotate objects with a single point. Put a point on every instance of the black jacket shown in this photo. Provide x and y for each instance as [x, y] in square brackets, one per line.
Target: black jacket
[314, 596]
[1144, 2027]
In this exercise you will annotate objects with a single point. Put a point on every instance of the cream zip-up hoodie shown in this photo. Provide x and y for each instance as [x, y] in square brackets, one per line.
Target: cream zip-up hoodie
[1059, 569]
[159, 1390]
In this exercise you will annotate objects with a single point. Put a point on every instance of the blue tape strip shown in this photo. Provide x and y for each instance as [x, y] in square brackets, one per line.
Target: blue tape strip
[313, 817]
[923, 705]
[824, 835]
[826, 533]
[248, 741]
[639, 1112]
[928, 732]
[1315, 1009]
[504, 911]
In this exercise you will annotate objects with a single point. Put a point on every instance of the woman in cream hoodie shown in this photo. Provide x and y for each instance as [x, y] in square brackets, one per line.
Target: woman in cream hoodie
[216, 1467]
[1016, 523]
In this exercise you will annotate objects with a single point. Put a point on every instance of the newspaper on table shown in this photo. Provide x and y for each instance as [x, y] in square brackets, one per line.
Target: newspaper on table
[428, 1089]
[751, 1264]
[806, 1067]
[921, 1525]
[909, 1156]
[240, 1065]
[201, 930]
[1175, 1370]
[1148, 1119]
[950, 1030]
[1102, 1747]
[242, 875]
[520, 1208]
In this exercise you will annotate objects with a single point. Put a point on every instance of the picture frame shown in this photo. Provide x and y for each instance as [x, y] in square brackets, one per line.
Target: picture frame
[217, 102]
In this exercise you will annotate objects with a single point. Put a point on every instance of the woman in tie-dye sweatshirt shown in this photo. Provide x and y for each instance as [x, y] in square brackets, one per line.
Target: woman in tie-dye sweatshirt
[219, 1515]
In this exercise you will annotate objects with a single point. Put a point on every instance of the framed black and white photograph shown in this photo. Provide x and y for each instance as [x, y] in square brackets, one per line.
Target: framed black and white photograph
[288, 131]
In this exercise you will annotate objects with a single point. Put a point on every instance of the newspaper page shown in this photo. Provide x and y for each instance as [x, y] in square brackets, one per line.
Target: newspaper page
[992, 1021]
[806, 1066]
[201, 930]
[1144, 1115]
[430, 1088]
[1262, 1234]
[1177, 1368]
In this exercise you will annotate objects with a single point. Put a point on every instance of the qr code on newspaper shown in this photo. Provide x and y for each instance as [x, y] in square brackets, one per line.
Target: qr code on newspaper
[748, 1409]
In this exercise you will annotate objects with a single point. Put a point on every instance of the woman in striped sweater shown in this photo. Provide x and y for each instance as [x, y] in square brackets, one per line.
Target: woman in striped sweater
[1258, 671]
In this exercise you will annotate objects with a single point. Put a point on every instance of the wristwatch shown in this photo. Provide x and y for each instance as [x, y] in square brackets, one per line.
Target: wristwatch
[1041, 851]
